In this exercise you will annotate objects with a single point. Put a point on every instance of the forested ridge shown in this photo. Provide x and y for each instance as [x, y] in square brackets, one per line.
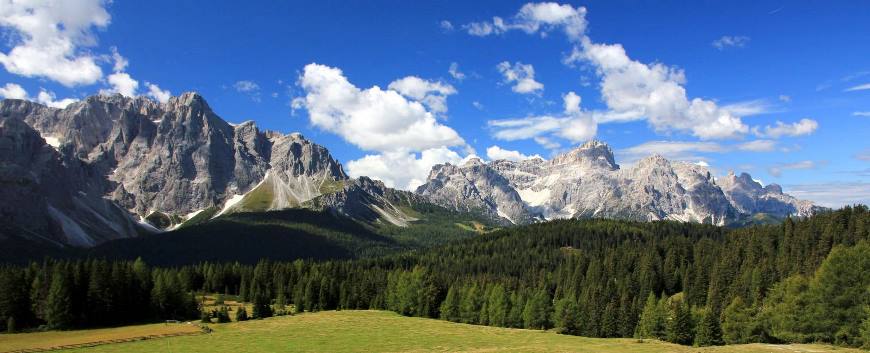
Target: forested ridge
[805, 280]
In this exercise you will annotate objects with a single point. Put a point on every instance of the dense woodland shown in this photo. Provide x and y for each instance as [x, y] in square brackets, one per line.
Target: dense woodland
[800, 281]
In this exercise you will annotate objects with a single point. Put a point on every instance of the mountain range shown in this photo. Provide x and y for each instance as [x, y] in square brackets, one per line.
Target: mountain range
[113, 167]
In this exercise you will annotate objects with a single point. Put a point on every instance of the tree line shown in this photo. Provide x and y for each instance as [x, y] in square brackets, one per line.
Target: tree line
[800, 281]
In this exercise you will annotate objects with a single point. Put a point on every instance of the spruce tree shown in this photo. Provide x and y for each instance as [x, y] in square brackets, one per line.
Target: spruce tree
[737, 323]
[652, 319]
[497, 306]
[536, 314]
[679, 328]
[58, 313]
[708, 332]
[469, 307]
[565, 316]
[450, 306]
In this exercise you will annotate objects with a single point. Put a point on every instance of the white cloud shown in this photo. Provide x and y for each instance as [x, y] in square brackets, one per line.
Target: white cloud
[750, 108]
[12, 91]
[49, 37]
[777, 170]
[656, 92]
[673, 150]
[446, 25]
[477, 105]
[155, 92]
[858, 87]
[574, 125]
[496, 153]
[571, 103]
[246, 86]
[433, 94]
[784, 98]
[726, 42]
[861, 114]
[802, 127]
[401, 169]
[834, 194]
[455, 73]
[121, 62]
[122, 83]
[47, 98]
[757, 146]
[373, 119]
[536, 18]
[522, 75]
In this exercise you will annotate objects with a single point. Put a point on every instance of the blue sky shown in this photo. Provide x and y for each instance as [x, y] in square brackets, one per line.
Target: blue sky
[779, 89]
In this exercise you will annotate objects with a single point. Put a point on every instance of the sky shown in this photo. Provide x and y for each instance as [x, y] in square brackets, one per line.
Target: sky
[778, 89]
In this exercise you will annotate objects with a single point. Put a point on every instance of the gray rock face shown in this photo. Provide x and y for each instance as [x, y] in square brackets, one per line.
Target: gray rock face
[369, 201]
[475, 187]
[749, 197]
[586, 182]
[175, 159]
[49, 198]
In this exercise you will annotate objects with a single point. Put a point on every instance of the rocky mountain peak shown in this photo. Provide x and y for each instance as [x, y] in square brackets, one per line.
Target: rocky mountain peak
[593, 153]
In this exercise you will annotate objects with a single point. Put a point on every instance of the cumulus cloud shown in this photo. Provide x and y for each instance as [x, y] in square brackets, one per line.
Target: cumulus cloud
[408, 137]
[433, 94]
[574, 124]
[535, 18]
[631, 90]
[496, 153]
[47, 98]
[802, 127]
[49, 37]
[122, 83]
[13, 91]
[155, 92]
[521, 75]
[401, 169]
[455, 73]
[726, 42]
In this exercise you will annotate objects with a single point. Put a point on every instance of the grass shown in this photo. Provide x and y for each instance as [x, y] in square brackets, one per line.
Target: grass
[19, 341]
[378, 331]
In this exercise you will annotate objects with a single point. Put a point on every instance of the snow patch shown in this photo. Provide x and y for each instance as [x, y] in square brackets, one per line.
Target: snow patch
[534, 198]
[52, 141]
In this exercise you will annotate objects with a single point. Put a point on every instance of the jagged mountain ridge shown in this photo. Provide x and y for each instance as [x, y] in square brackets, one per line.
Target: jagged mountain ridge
[163, 164]
[586, 183]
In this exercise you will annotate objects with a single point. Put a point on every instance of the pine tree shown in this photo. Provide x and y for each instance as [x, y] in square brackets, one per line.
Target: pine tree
[469, 307]
[679, 328]
[58, 313]
[708, 332]
[565, 316]
[450, 306]
[652, 319]
[737, 323]
[537, 312]
[497, 306]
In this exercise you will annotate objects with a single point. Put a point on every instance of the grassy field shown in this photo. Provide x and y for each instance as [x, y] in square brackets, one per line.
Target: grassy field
[20, 341]
[377, 331]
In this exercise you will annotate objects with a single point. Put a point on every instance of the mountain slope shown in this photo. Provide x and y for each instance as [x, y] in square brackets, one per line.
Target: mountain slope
[587, 183]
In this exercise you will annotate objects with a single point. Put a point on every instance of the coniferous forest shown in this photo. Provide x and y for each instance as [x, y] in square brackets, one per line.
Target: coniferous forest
[804, 280]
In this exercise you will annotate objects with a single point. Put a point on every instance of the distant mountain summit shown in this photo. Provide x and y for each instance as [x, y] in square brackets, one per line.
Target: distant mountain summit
[588, 183]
